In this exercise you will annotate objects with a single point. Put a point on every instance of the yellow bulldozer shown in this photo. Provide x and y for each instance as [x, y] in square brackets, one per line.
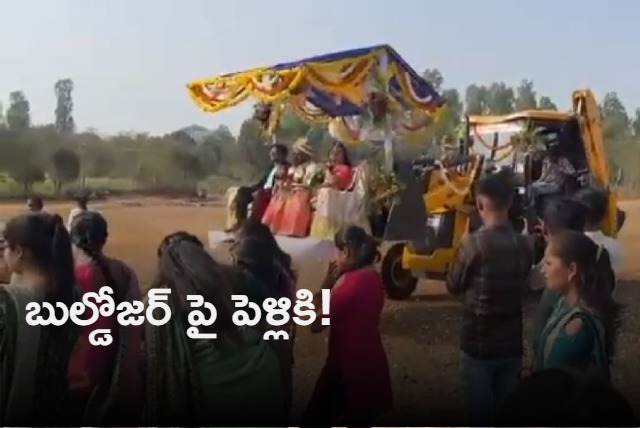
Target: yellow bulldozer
[436, 206]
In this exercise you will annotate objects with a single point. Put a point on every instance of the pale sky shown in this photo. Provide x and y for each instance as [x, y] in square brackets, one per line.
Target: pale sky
[131, 59]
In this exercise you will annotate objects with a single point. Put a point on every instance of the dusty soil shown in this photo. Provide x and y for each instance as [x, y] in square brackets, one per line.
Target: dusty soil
[421, 334]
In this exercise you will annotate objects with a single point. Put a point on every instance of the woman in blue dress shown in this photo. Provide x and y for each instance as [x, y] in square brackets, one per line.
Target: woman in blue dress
[582, 329]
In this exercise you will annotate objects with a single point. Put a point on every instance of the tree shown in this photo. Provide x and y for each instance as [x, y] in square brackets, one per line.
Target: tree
[25, 167]
[476, 100]
[545, 103]
[223, 153]
[525, 96]
[434, 76]
[18, 114]
[188, 162]
[615, 120]
[64, 106]
[65, 168]
[291, 127]
[451, 116]
[253, 148]
[500, 99]
[635, 124]
[98, 160]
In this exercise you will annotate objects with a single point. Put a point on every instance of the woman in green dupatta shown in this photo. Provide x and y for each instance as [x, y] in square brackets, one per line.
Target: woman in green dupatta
[34, 359]
[581, 331]
[234, 379]
[258, 254]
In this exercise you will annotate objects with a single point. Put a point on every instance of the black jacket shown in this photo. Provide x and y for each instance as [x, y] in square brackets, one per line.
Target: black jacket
[490, 272]
[263, 179]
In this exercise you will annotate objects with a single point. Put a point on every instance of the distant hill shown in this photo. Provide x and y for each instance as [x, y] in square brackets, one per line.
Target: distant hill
[192, 134]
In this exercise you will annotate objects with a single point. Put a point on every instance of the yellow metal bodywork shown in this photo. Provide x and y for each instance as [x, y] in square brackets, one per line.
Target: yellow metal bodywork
[586, 109]
[441, 198]
[451, 189]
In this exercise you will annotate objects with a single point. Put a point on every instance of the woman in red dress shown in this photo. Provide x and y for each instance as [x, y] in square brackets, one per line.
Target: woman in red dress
[338, 174]
[354, 385]
[106, 381]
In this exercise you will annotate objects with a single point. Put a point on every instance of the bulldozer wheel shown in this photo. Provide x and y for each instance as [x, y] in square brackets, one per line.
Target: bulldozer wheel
[399, 283]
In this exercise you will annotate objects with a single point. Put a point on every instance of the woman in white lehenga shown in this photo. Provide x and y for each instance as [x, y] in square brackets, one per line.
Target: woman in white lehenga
[336, 207]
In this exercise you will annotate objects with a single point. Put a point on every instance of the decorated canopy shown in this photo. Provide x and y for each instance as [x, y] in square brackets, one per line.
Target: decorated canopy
[336, 85]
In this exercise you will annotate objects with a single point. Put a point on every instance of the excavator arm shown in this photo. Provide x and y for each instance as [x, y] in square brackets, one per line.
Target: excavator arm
[587, 112]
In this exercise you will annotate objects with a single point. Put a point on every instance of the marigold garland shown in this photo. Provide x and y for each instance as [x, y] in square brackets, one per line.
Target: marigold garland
[344, 79]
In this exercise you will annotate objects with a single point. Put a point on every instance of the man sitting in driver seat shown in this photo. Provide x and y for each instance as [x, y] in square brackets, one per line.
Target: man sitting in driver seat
[555, 169]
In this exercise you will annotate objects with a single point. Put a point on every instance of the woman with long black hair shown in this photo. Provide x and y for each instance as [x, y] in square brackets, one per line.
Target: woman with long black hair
[233, 379]
[34, 359]
[106, 381]
[282, 283]
[258, 254]
[581, 331]
[354, 385]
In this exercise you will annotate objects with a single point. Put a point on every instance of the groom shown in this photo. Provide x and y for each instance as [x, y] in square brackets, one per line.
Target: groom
[255, 193]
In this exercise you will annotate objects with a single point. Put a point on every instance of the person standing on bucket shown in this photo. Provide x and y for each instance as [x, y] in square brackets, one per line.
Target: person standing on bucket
[490, 272]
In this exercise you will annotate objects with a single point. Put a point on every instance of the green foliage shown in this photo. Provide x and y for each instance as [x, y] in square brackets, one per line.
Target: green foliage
[65, 167]
[18, 114]
[64, 106]
[219, 159]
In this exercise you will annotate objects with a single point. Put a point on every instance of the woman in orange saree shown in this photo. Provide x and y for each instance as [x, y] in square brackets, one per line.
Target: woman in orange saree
[297, 213]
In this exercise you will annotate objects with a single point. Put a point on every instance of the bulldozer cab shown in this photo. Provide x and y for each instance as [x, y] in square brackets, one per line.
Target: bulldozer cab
[574, 135]
[431, 220]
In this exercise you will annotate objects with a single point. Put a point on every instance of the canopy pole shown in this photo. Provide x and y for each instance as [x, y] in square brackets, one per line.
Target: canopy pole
[388, 147]
[383, 68]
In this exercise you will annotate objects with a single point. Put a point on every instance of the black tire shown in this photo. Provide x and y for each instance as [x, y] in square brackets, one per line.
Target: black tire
[399, 283]
[621, 216]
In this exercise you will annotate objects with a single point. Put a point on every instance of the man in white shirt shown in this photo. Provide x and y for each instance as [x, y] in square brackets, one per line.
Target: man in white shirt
[596, 203]
[81, 206]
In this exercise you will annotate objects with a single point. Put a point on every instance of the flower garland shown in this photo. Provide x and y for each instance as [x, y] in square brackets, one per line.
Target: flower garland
[228, 91]
[487, 146]
[219, 93]
[442, 170]
[352, 75]
[408, 94]
[350, 132]
[306, 111]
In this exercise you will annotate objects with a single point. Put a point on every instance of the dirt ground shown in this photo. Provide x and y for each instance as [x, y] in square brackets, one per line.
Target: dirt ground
[421, 335]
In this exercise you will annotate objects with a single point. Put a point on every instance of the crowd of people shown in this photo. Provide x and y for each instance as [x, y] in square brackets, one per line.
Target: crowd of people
[566, 380]
[157, 376]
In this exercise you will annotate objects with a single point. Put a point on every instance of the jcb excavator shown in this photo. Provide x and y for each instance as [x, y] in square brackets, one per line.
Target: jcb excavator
[436, 206]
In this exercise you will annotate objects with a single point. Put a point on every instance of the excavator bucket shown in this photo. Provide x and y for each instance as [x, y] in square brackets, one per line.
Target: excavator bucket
[407, 219]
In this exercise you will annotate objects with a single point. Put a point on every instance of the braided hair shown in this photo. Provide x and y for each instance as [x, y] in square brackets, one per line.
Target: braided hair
[89, 233]
[255, 229]
[187, 268]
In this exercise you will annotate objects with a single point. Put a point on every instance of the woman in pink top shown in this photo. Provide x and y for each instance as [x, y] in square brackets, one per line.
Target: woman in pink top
[106, 381]
[354, 385]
